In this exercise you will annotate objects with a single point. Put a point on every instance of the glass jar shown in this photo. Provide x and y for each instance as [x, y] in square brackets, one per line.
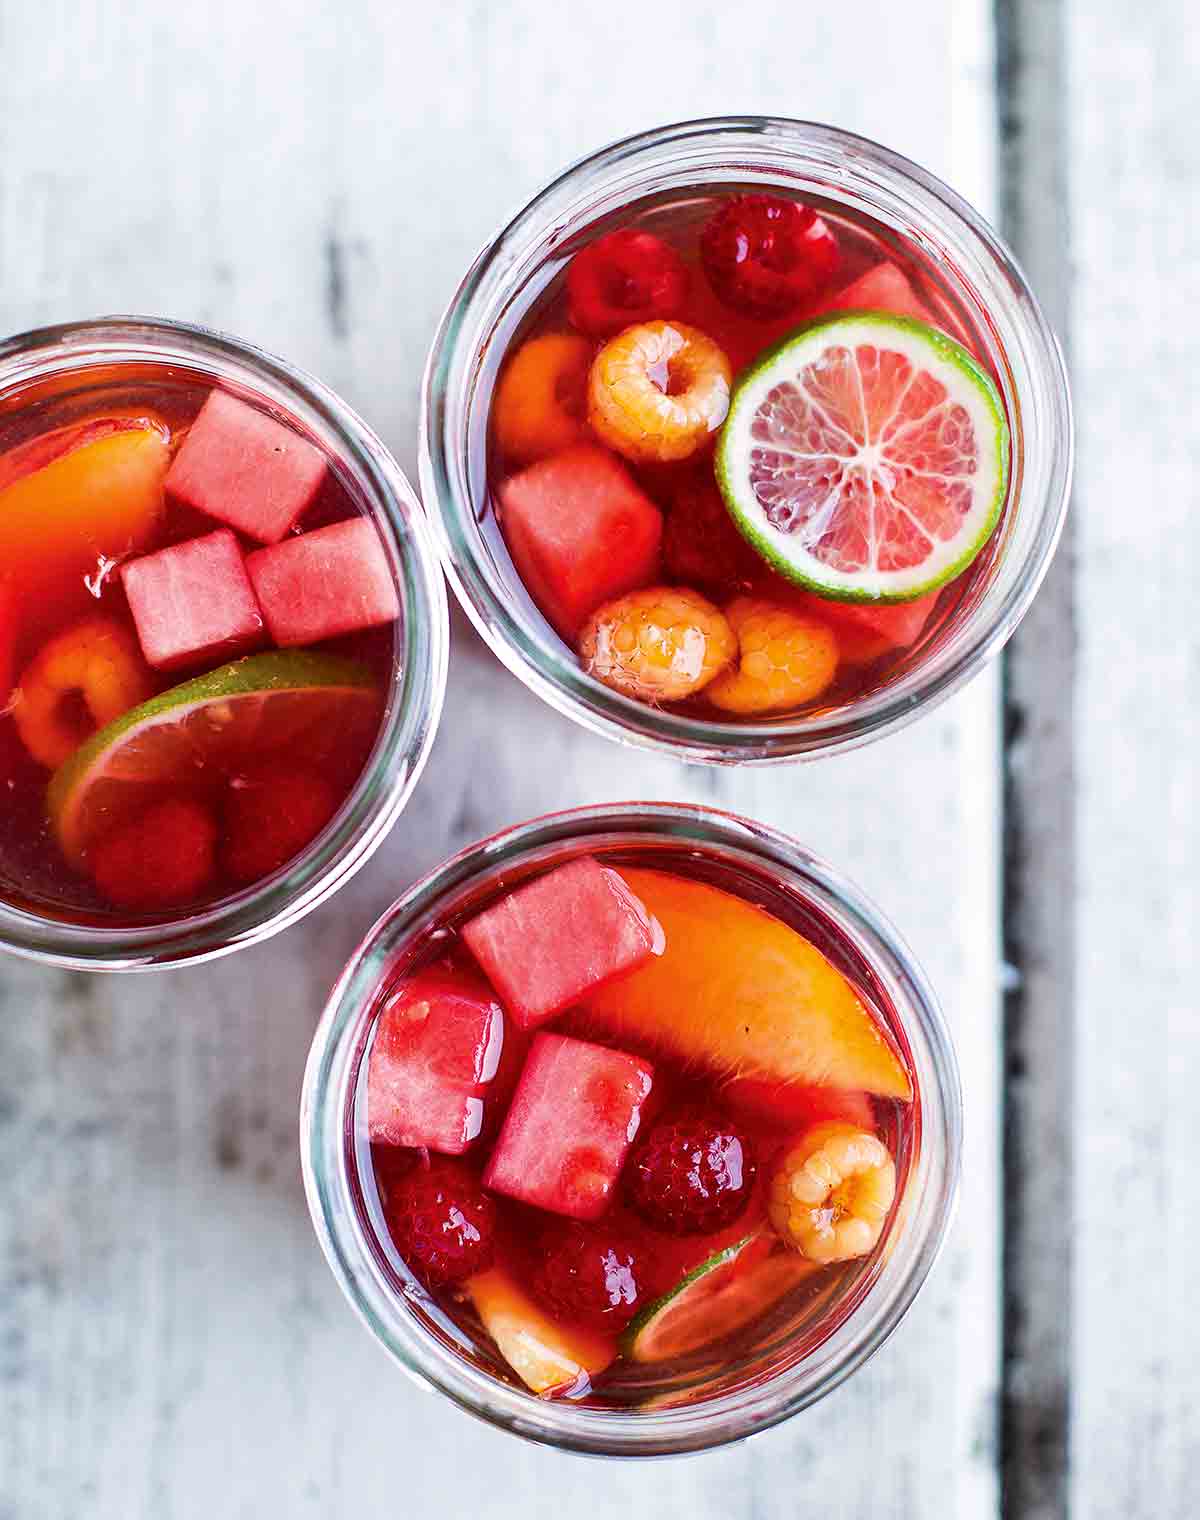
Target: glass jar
[810, 161]
[779, 1376]
[45, 367]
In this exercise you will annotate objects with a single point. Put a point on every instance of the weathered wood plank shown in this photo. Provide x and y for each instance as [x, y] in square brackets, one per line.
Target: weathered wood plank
[1039, 840]
[173, 1346]
[1135, 218]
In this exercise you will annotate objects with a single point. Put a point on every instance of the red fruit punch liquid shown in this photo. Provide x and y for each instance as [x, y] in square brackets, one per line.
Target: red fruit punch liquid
[165, 543]
[601, 453]
[631, 1130]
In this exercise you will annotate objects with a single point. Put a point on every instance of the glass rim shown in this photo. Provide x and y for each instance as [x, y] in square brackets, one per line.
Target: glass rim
[419, 676]
[535, 656]
[326, 1098]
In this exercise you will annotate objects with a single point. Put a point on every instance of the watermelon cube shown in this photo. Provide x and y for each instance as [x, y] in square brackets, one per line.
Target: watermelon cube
[318, 585]
[580, 531]
[245, 469]
[573, 1117]
[867, 632]
[193, 601]
[561, 936]
[437, 1047]
[885, 287]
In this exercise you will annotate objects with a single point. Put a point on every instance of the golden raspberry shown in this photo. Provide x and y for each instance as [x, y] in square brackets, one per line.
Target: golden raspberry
[831, 1194]
[658, 645]
[785, 659]
[658, 390]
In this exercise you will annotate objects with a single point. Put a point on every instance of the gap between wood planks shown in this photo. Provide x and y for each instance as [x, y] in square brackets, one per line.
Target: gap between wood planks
[1039, 838]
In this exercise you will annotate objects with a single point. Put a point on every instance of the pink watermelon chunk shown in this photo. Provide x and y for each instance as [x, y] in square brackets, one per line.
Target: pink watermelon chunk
[884, 288]
[437, 1047]
[193, 601]
[573, 1118]
[867, 632]
[567, 933]
[580, 531]
[245, 469]
[318, 585]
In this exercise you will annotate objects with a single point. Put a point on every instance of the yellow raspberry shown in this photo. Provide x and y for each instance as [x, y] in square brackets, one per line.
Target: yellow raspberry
[785, 659]
[658, 390]
[831, 1194]
[658, 645]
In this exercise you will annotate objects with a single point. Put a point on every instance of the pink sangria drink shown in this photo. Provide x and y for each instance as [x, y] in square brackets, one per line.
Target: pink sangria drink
[200, 624]
[632, 1128]
[754, 444]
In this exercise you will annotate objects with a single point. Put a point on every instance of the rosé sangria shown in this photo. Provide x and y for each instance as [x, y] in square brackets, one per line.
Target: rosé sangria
[629, 1127]
[744, 454]
[745, 439]
[198, 627]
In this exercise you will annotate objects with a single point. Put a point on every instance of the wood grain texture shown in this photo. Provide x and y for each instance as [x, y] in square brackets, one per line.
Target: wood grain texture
[1135, 214]
[1041, 863]
[315, 177]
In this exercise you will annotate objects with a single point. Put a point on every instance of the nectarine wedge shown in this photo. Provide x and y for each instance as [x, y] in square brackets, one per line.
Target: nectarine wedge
[546, 1356]
[103, 496]
[741, 994]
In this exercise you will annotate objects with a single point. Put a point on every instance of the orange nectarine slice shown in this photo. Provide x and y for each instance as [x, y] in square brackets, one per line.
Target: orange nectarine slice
[547, 1356]
[102, 498]
[742, 994]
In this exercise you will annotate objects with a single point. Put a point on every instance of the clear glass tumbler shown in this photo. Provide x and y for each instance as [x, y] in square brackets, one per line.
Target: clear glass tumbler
[48, 365]
[924, 219]
[788, 1366]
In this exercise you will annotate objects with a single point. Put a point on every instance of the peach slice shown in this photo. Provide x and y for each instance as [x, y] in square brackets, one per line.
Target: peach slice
[549, 1358]
[742, 994]
[69, 501]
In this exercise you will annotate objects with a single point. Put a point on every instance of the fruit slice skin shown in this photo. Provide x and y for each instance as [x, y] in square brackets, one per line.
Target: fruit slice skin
[573, 1117]
[437, 1047]
[312, 703]
[245, 469]
[929, 452]
[549, 1358]
[102, 498]
[720, 1296]
[581, 532]
[742, 994]
[192, 601]
[560, 936]
[320, 585]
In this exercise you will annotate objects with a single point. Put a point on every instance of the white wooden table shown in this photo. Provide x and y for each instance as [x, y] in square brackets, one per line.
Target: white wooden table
[314, 176]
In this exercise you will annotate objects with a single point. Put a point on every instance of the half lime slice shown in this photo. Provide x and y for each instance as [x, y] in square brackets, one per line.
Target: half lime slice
[866, 457]
[311, 706]
[721, 1295]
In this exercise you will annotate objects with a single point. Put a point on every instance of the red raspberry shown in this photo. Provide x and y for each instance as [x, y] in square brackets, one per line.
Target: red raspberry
[270, 815]
[765, 256]
[442, 1221]
[701, 546]
[623, 278]
[589, 1273]
[160, 859]
[692, 1174]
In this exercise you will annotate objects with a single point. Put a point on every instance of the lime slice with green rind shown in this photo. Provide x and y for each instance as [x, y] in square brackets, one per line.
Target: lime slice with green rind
[866, 457]
[715, 1299]
[308, 706]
